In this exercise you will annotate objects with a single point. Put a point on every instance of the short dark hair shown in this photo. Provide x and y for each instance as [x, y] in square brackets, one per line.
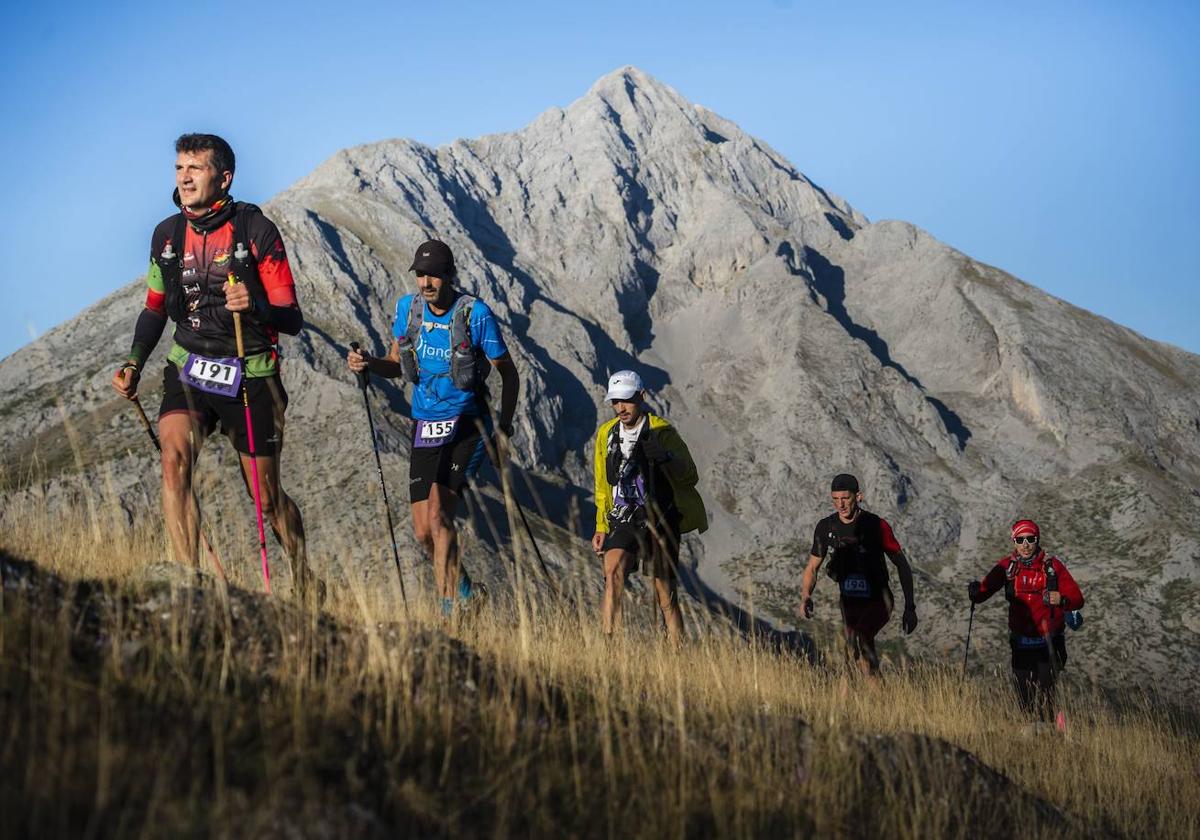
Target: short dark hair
[222, 153]
[844, 483]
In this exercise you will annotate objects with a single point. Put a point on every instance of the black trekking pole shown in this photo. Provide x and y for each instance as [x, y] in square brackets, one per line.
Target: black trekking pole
[494, 456]
[363, 381]
[1051, 586]
[967, 649]
[529, 531]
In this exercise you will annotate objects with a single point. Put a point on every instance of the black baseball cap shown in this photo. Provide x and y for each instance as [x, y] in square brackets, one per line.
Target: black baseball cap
[434, 259]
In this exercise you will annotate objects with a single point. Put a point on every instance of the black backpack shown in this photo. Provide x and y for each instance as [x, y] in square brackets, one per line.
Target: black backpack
[170, 260]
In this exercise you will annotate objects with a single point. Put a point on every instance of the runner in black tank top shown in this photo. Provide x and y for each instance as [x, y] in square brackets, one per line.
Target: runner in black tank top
[856, 541]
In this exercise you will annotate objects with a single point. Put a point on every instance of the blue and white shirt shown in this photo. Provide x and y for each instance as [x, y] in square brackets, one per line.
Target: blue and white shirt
[434, 396]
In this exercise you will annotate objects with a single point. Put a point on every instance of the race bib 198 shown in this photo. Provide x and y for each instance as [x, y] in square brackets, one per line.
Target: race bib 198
[856, 586]
[431, 433]
[214, 376]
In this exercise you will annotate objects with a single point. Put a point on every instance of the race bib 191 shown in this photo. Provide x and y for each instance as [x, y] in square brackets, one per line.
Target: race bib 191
[430, 433]
[214, 376]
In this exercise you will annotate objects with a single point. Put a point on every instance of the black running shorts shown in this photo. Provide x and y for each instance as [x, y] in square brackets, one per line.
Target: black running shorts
[657, 557]
[449, 465]
[268, 400]
[1026, 658]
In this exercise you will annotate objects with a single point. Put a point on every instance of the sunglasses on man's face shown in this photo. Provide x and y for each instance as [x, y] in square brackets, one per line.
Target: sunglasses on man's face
[1029, 540]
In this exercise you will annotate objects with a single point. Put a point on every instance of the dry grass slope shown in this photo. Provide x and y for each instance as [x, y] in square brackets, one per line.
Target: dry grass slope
[130, 707]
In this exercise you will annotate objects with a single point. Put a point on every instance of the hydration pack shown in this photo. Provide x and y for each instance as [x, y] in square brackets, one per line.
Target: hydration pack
[469, 366]
[656, 492]
[1014, 569]
[169, 258]
[860, 554]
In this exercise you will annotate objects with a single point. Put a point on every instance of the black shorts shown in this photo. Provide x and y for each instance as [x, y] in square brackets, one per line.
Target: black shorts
[268, 400]
[449, 465]
[656, 557]
[1025, 658]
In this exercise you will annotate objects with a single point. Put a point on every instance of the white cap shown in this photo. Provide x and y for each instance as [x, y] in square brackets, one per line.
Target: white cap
[624, 384]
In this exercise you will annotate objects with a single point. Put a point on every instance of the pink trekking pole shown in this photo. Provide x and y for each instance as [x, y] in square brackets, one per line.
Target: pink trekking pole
[241, 351]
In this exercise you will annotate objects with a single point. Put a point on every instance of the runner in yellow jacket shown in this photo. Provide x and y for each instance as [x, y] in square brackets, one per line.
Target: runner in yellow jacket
[645, 499]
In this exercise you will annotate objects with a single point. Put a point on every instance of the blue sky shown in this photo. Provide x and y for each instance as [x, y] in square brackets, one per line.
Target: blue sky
[1056, 141]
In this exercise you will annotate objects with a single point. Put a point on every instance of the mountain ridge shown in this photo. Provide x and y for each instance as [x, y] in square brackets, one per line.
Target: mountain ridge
[788, 337]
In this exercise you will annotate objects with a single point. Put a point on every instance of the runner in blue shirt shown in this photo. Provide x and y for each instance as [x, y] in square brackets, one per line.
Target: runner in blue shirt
[449, 416]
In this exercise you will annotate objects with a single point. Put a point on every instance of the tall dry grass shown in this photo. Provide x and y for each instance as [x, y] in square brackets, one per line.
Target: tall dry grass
[131, 709]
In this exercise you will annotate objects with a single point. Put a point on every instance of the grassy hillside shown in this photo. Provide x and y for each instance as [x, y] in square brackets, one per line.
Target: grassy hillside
[129, 707]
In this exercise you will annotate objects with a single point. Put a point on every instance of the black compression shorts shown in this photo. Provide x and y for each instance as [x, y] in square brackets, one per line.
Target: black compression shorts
[449, 465]
[268, 401]
[1027, 658]
[658, 557]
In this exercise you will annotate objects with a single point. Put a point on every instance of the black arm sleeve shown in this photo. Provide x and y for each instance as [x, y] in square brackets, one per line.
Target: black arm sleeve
[289, 320]
[508, 401]
[146, 333]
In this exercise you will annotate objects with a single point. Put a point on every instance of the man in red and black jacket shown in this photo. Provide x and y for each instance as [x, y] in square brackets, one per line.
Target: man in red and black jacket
[857, 541]
[1040, 593]
[195, 255]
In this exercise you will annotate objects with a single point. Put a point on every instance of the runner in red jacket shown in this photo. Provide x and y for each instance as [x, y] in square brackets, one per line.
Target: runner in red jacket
[1040, 592]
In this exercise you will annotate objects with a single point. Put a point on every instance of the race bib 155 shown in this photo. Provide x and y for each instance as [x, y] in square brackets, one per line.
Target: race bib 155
[431, 433]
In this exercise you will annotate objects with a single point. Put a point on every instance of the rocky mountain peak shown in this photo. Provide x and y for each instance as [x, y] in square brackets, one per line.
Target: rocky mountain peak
[785, 335]
[637, 103]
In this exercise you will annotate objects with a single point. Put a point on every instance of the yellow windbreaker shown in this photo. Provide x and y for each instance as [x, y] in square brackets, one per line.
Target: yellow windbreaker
[687, 498]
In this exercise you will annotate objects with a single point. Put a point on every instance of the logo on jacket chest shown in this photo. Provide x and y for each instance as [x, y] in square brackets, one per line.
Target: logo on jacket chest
[220, 259]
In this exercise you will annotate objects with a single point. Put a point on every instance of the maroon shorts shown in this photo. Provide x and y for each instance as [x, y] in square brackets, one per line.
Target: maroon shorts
[866, 616]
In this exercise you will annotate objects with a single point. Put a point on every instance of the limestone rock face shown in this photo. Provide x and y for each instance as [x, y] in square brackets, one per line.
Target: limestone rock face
[787, 336]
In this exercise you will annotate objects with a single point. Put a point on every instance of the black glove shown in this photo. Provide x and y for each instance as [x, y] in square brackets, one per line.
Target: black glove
[653, 449]
[973, 591]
